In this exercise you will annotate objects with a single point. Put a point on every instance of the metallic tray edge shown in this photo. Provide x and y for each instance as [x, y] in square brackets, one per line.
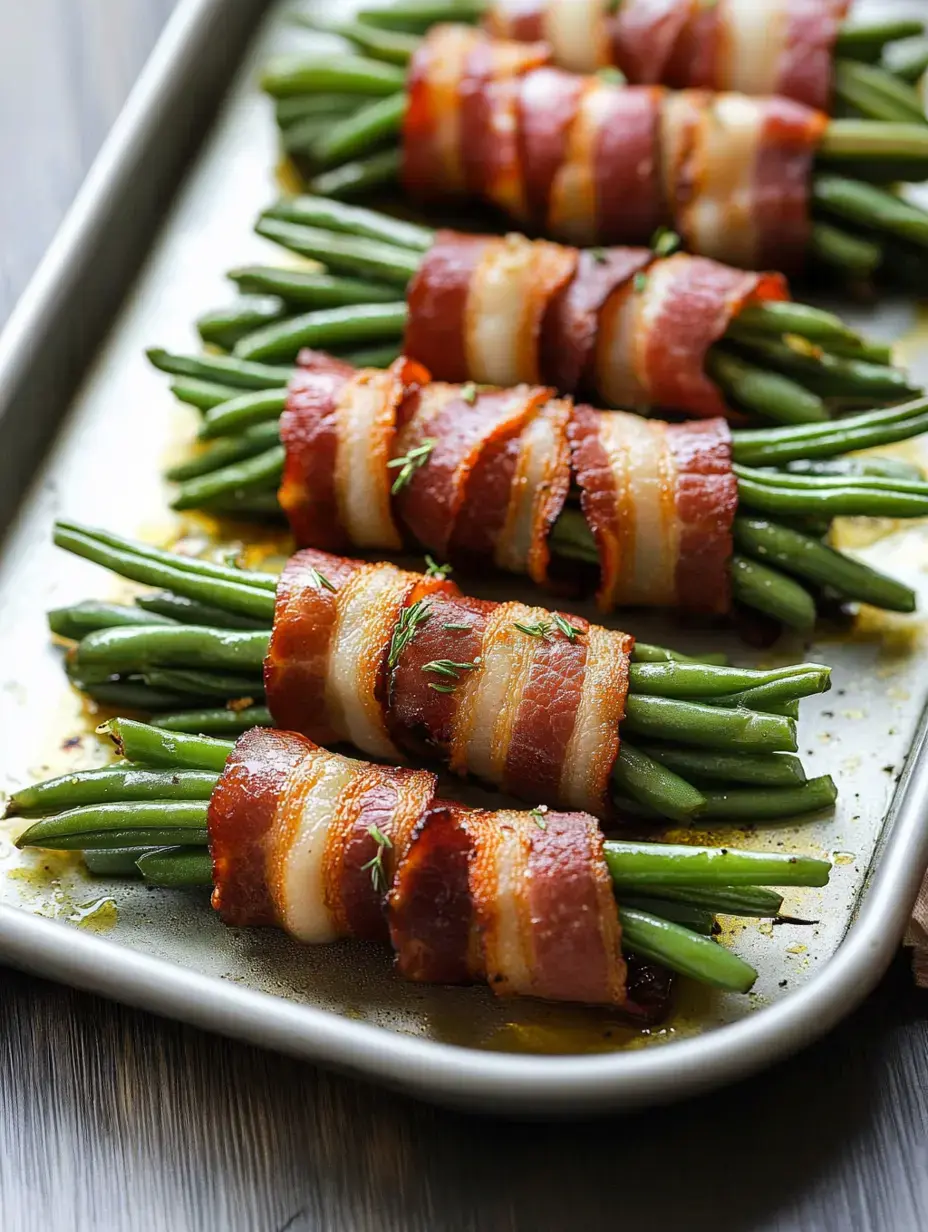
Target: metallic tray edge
[174, 84]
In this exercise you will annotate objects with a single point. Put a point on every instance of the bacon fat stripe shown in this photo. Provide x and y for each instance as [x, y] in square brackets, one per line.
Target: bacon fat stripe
[783, 47]
[590, 161]
[327, 847]
[660, 500]
[501, 691]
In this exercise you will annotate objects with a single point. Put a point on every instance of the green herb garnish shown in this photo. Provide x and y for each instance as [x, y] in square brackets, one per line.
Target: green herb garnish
[410, 620]
[375, 864]
[410, 463]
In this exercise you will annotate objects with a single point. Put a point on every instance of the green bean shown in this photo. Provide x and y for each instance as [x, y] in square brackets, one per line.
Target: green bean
[691, 680]
[757, 769]
[710, 726]
[684, 951]
[908, 62]
[645, 653]
[326, 74]
[417, 15]
[654, 785]
[767, 393]
[393, 46]
[82, 618]
[192, 612]
[870, 207]
[787, 317]
[300, 139]
[876, 94]
[827, 483]
[220, 721]
[852, 255]
[771, 803]
[120, 862]
[344, 253]
[854, 35]
[177, 868]
[141, 742]
[636, 865]
[248, 504]
[224, 369]
[201, 394]
[310, 211]
[297, 107]
[100, 819]
[777, 696]
[362, 132]
[308, 289]
[696, 919]
[248, 597]
[359, 176]
[840, 500]
[205, 684]
[723, 900]
[775, 446]
[872, 352]
[374, 357]
[262, 471]
[888, 468]
[108, 784]
[243, 412]
[830, 375]
[245, 444]
[137, 649]
[324, 328]
[796, 553]
[772, 593]
[223, 327]
[119, 840]
[131, 694]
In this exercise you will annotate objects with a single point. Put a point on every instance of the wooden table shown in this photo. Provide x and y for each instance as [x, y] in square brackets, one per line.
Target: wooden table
[111, 1119]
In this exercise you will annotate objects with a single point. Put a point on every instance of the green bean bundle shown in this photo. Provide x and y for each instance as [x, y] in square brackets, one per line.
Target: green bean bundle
[151, 815]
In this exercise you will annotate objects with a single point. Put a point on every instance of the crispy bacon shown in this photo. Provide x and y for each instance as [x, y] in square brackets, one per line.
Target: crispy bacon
[660, 500]
[527, 701]
[327, 847]
[339, 427]
[761, 47]
[498, 897]
[292, 829]
[591, 161]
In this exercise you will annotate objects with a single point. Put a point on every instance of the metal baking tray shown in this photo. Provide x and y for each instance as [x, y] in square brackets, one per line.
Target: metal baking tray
[84, 423]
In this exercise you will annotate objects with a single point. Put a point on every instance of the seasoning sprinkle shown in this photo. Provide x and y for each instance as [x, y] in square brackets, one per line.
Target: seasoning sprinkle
[410, 620]
[541, 628]
[539, 815]
[375, 864]
[434, 569]
[410, 463]
[469, 393]
[448, 667]
[664, 242]
[320, 580]
[571, 632]
[641, 281]
[463, 628]
[441, 688]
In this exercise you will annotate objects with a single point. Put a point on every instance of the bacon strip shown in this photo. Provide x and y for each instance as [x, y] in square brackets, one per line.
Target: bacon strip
[338, 428]
[505, 692]
[292, 828]
[760, 47]
[495, 897]
[660, 500]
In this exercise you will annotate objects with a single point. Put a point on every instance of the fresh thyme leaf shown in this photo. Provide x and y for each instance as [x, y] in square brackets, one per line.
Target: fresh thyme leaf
[571, 632]
[469, 393]
[614, 76]
[441, 688]
[448, 667]
[464, 628]
[411, 618]
[539, 815]
[598, 255]
[541, 628]
[410, 462]
[320, 580]
[434, 569]
[664, 241]
[641, 281]
[375, 864]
